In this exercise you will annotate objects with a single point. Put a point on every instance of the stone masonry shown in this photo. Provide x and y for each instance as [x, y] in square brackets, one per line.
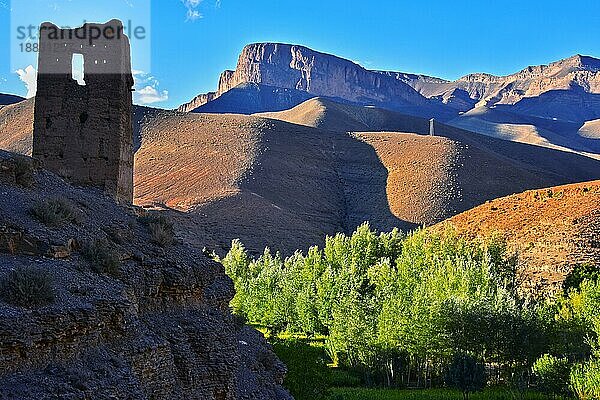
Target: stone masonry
[84, 133]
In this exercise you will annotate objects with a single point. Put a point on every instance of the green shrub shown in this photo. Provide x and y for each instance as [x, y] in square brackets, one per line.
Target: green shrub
[342, 377]
[27, 287]
[585, 380]
[579, 274]
[24, 172]
[308, 374]
[161, 230]
[102, 258]
[552, 374]
[54, 212]
[466, 375]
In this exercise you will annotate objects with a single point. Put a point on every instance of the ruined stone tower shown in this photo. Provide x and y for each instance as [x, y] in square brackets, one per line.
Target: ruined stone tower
[84, 132]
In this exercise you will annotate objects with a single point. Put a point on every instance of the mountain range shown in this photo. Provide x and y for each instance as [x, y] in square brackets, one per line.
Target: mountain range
[555, 105]
[297, 144]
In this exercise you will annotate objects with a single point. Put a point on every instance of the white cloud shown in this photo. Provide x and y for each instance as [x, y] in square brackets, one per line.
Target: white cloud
[192, 9]
[149, 95]
[29, 77]
[147, 89]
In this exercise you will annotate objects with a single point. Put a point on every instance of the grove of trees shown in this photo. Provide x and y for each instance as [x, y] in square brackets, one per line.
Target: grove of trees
[400, 309]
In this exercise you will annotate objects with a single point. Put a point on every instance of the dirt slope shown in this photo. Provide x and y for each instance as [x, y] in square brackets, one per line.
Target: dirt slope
[591, 130]
[553, 229]
[326, 114]
[16, 127]
[286, 185]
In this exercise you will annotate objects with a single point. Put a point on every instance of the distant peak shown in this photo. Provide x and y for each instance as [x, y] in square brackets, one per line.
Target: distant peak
[579, 60]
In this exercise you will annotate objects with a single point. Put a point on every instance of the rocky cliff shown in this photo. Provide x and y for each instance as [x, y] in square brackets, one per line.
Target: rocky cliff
[576, 80]
[317, 74]
[99, 301]
[567, 90]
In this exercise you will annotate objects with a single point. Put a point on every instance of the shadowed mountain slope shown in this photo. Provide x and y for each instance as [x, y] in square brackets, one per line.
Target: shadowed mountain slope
[286, 185]
[251, 98]
[6, 99]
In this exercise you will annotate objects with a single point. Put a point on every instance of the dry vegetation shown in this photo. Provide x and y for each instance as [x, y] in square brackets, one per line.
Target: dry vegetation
[27, 287]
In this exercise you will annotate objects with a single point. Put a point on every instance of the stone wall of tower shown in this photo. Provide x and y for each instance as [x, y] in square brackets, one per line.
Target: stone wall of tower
[84, 133]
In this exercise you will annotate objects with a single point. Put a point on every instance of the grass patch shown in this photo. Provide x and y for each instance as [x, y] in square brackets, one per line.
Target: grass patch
[54, 212]
[27, 287]
[427, 394]
[102, 258]
[24, 172]
[160, 228]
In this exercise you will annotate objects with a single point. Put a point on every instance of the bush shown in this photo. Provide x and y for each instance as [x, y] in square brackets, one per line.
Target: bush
[341, 377]
[579, 274]
[54, 212]
[552, 374]
[466, 375]
[101, 257]
[24, 172]
[27, 287]
[585, 380]
[308, 374]
[161, 230]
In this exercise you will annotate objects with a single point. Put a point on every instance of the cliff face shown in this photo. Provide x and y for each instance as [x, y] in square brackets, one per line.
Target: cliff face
[318, 74]
[154, 325]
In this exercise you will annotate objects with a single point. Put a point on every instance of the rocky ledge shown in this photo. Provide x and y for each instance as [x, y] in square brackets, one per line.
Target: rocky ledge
[112, 306]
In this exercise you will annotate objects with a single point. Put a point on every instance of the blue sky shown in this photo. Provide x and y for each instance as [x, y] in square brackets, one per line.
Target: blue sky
[192, 41]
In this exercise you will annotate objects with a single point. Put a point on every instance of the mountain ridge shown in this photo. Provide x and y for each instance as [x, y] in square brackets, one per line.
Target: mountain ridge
[318, 74]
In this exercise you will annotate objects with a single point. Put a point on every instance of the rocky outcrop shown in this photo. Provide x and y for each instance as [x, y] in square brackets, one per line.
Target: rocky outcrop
[299, 68]
[572, 84]
[158, 327]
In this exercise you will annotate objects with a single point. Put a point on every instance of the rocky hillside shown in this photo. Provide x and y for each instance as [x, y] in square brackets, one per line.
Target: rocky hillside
[104, 302]
[571, 74]
[316, 74]
[288, 183]
[554, 230]
[288, 180]
[544, 105]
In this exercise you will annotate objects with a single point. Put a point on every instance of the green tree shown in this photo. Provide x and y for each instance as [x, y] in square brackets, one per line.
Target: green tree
[466, 374]
[552, 374]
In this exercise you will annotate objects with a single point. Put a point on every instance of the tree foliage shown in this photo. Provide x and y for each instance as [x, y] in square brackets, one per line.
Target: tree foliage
[466, 374]
[399, 307]
[382, 299]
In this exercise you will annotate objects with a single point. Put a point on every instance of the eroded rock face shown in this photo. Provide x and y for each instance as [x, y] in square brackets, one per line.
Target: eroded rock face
[300, 68]
[158, 328]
